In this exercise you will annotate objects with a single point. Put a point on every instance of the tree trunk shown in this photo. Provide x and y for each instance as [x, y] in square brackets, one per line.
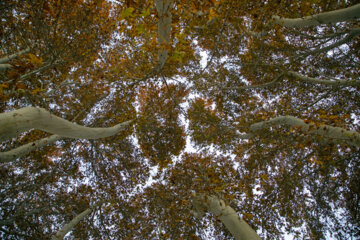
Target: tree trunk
[164, 28]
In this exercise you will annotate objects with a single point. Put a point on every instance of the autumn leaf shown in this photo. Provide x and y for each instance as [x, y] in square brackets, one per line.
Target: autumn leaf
[34, 60]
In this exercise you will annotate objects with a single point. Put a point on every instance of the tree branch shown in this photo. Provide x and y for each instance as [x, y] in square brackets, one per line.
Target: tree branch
[13, 154]
[268, 84]
[335, 134]
[340, 15]
[26, 75]
[353, 33]
[353, 83]
[237, 226]
[5, 66]
[62, 232]
[11, 57]
[15, 122]
[67, 228]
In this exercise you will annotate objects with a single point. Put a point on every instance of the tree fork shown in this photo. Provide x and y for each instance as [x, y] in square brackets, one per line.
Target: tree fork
[236, 225]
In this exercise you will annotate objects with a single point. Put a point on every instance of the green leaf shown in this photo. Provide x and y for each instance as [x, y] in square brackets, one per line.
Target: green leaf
[140, 28]
[145, 12]
[127, 12]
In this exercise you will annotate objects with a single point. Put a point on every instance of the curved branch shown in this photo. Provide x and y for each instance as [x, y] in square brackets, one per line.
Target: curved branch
[353, 83]
[13, 154]
[335, 134]
[339, 15]
[236, 225]
[67, 228]
[15, 122]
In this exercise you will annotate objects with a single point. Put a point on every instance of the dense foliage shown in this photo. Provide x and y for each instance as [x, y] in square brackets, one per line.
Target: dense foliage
[229, 65]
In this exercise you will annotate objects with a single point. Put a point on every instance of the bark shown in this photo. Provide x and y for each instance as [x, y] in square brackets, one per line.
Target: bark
[352, 83]
[328, 133]
[353, 33]
[340, 15]
[13, 154]
[268, 84]
[15, 122]
[62, 232]
[5, 66]
[25, 76]
[335, 83]
[11, 57]
[236, 226]
[164, 28]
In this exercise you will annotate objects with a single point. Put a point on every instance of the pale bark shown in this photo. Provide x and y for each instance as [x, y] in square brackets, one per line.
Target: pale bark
[67, 228]
[326, 132]
[340, 15]
[236, 226]
[15, 122]
[13, 154]
[11, 57]
[164, 28]
[5, 66]
[352, 83]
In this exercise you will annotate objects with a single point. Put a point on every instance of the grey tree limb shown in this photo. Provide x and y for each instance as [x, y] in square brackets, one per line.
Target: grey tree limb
[15, 122]
[12, 56]
[340, 15]
[227, 215]
[339, 82]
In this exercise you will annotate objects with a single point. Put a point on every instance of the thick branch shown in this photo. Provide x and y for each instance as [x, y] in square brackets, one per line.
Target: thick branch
[15, 122]
[334, 134]
[61, 233]
[11, 57]
[5, 66]
[13, 154]
[340, 15]
[352, 83]
[237, 226]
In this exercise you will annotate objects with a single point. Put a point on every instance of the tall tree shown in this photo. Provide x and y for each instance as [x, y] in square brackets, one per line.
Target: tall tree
[103, 104]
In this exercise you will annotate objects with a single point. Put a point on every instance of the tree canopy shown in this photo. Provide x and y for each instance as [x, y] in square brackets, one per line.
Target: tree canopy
[173, 119]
